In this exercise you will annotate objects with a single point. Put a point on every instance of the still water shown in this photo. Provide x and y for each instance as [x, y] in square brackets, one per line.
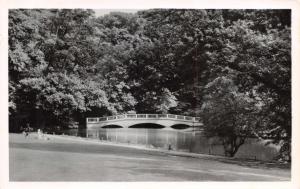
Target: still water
[179, 140]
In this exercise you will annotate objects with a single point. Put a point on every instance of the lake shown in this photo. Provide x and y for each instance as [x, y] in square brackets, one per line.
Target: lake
[187, 140]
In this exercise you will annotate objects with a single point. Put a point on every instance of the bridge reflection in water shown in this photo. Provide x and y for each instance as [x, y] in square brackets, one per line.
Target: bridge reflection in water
[157, 138]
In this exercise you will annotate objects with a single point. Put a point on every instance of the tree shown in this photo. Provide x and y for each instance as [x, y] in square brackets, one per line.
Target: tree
[228, 114]
[58, 72]
[259, 54]
[48, 51]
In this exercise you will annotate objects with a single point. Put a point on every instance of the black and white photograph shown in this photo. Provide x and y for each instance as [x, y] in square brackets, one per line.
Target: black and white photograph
[149, 95]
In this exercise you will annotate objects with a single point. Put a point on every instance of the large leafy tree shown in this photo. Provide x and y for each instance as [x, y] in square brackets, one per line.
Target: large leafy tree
[228, 113]
[179, 58]
[257, 50]
[52, 53]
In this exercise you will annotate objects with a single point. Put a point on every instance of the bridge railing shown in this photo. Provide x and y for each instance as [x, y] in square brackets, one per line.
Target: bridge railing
[142, 116]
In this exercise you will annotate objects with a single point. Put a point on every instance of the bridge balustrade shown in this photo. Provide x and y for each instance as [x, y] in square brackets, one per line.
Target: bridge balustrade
[102, 119]
[91, 120]
[120, 116]
[131, 115]
[180, 117]
[143, 116]
[171, 116]
[188, 118]
[111, 117]
[151, 115]
[162, 115]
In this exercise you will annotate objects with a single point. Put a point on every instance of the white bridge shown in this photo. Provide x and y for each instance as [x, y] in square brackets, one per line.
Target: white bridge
[139, 120]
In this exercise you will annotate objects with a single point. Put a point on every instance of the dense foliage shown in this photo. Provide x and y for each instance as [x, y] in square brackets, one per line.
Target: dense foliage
[231, 67]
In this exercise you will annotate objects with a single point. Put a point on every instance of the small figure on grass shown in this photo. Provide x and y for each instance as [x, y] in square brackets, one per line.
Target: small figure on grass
[40, 134]
[26, 130]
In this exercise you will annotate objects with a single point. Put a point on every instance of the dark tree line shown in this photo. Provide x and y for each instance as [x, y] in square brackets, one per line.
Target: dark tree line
[231, 67]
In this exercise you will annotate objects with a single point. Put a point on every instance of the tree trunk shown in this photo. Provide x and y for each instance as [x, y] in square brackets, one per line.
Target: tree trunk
[232, 144]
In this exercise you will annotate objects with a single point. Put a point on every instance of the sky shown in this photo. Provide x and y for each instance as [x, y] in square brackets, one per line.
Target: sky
[101, 12]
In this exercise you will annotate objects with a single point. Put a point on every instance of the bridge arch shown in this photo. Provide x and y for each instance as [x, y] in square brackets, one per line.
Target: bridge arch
[180, 126]
[147, 125]
[111, 127]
